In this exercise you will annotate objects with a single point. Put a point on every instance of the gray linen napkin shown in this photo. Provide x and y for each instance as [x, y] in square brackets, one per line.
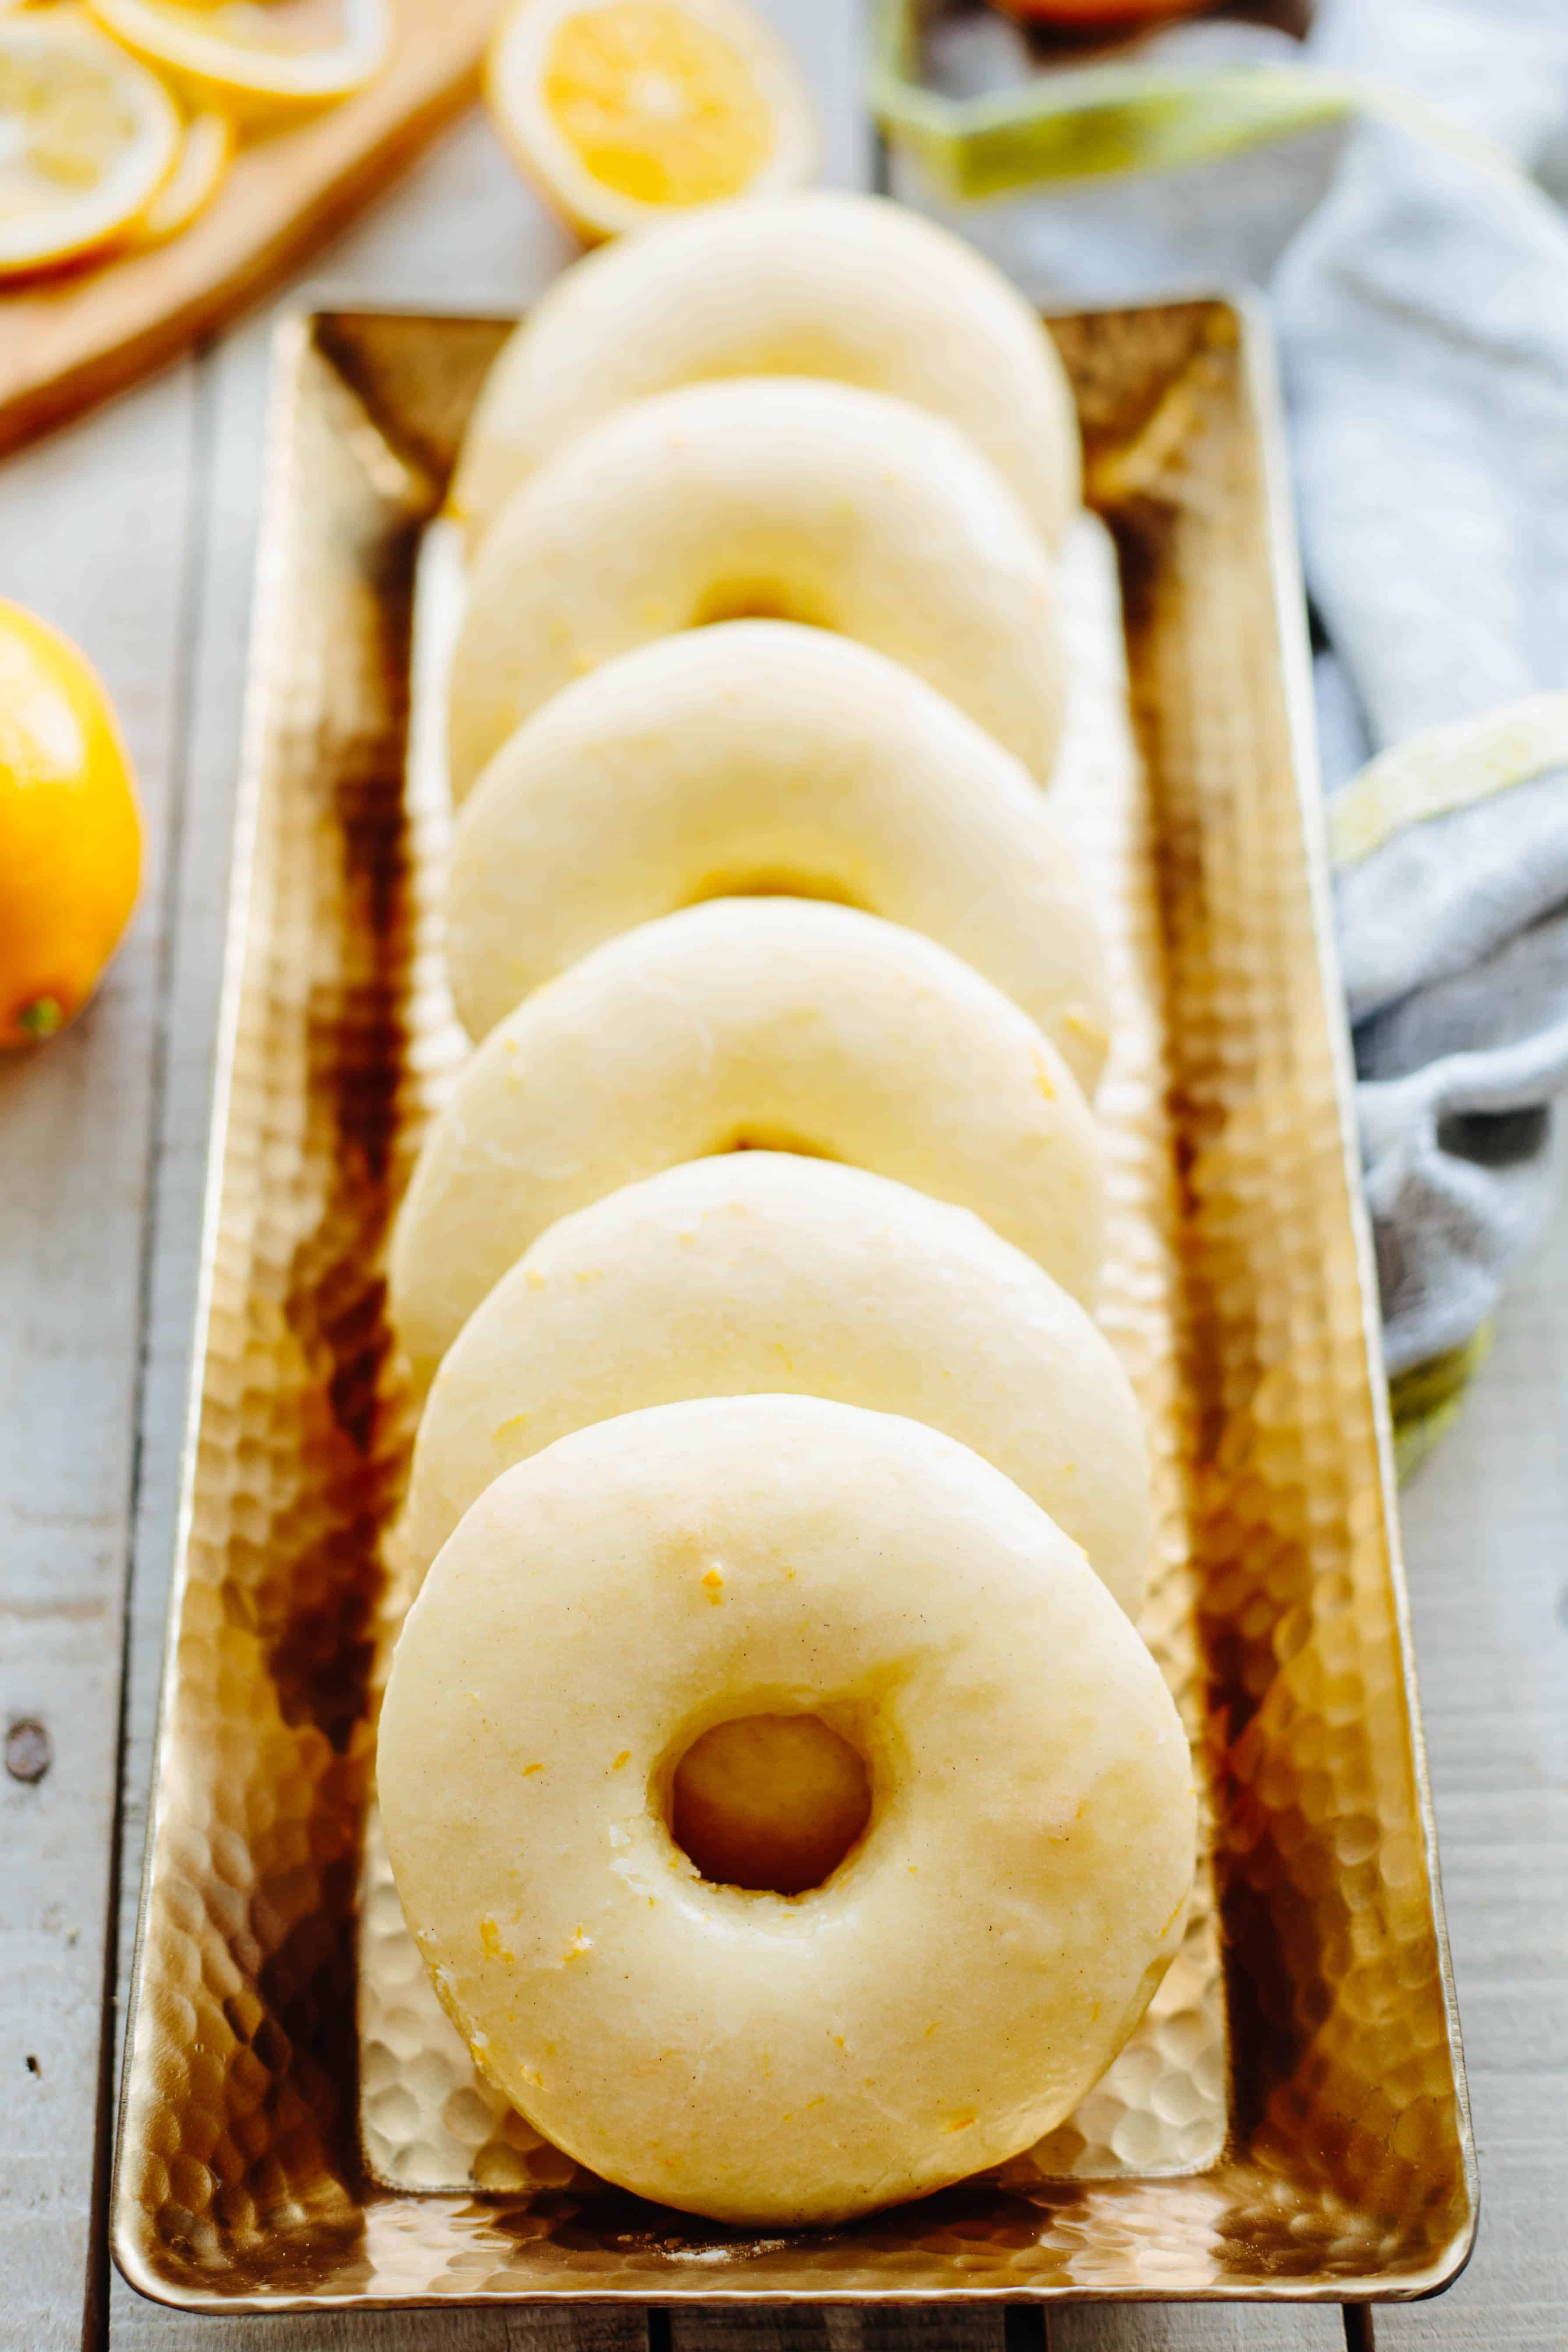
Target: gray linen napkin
[1419, 293]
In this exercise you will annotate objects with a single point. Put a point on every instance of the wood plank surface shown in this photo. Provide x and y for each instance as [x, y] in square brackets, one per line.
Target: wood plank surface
[1196, 2327]
[93, 532]
[1486, 1530]
[841, 2328]
[546, 2328]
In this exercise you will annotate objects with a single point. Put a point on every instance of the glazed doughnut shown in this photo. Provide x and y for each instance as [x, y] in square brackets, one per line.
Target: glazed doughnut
[772, 497]
[983, 1947]
[824, 284]
[779, 1023]
[761, 1271]
[763, 756]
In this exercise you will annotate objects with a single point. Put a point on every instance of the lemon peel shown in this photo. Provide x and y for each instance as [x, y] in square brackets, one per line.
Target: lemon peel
[621, 111]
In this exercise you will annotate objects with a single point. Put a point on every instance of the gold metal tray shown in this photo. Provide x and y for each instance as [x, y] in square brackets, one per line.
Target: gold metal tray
[1292, 2123]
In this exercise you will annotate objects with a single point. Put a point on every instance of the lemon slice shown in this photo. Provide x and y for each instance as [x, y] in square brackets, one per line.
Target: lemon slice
[87, 138]
[625, 110]
[199, 171]
[255, 59]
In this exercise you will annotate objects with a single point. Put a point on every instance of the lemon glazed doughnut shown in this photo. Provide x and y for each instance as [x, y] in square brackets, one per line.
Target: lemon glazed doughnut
[775, 1022]
[772, 497]
[621, 1634]
[820, 284]
[760, 756]
[761, 1271]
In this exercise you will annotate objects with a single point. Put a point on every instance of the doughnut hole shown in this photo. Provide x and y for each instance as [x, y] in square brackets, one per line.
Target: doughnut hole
[770, 1138]
[769, 1803]
[757, 600]
[775, 884]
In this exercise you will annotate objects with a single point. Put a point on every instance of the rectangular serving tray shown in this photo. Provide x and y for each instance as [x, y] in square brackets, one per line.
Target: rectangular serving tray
[1339, 2166]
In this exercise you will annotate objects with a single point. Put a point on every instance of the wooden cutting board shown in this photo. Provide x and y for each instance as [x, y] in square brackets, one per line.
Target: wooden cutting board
[68, 342]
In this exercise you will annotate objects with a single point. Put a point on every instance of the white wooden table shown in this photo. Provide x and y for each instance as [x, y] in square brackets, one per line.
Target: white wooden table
[134, 531]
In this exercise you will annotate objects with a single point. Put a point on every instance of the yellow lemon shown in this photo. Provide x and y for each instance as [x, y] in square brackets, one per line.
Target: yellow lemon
[87, 139]
[200, 170]
[255, 60]
[623, 111]
[70, 831]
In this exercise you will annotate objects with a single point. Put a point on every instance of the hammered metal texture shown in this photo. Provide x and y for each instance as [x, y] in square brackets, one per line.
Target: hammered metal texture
[1240, 1293]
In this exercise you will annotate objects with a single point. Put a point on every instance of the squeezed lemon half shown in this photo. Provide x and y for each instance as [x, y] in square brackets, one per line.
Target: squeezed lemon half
[87, 139]
[624, 110]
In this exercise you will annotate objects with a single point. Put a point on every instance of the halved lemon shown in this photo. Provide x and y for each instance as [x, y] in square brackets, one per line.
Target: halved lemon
[623, 111]
[199, 171]
[87, 138]
[255, 59]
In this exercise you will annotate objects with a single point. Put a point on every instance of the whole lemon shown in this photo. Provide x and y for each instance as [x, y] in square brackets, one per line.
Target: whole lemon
[70, 830]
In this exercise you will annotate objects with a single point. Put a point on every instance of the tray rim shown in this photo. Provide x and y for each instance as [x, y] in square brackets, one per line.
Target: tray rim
[1260, 363]
[288, 341]
[294, 334]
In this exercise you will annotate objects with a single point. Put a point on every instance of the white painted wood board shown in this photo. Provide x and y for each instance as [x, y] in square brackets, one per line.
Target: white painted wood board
[93, 535]
[135, 531]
